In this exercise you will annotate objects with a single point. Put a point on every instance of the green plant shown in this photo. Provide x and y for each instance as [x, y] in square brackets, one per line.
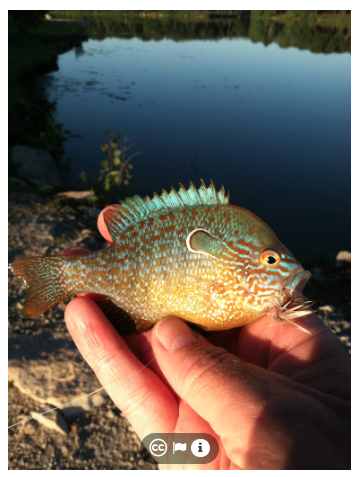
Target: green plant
[84, 181]
[116, 168]
[92, 199]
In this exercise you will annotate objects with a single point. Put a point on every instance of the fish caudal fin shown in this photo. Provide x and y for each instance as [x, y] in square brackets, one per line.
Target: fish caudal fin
[42, 275]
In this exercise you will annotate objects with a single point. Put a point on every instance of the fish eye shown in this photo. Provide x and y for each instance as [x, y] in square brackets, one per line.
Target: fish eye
[270, 257]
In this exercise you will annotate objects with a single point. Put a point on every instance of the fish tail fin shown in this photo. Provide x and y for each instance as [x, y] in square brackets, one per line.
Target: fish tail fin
[43, 277]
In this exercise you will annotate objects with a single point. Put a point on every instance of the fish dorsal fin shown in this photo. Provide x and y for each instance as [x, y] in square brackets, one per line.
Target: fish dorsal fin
[136, 209]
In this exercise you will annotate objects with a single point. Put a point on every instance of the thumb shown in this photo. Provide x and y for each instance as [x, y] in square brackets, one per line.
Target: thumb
[241, 401]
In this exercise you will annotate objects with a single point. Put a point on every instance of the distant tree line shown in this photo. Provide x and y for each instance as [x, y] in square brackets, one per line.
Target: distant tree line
[266, 26]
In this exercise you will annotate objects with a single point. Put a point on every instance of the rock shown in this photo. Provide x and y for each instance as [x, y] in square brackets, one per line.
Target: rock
[38, 166]
[343, 258]
[74, 194]
[110, 414]
[44, 231]
[326, 308]
[52, 420]
[48, 367]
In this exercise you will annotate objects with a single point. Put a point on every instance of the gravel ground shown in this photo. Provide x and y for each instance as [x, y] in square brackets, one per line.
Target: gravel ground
[101, 438]
[98, 439]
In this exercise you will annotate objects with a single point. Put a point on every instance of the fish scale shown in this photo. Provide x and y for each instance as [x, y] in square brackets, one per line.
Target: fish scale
[187, 253]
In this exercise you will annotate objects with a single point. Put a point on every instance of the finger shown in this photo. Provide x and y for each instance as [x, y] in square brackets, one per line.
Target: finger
[141, 347]
[76, 251]
[317, 360]
[240, 401]
[262, 341]
[102, 226]
[139, 344]
[190, 422]
[227, 339]
[140, 394]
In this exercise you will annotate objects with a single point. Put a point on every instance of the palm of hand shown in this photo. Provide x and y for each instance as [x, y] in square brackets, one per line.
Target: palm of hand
[280, 350]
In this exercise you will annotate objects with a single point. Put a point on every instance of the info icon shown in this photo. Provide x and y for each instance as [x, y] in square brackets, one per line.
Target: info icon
[200, 448]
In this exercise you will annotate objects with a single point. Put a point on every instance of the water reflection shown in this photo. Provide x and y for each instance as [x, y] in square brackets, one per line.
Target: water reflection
[270, 123]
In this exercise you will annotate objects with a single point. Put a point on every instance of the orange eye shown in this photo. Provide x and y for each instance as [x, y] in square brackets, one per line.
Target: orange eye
[270, 258]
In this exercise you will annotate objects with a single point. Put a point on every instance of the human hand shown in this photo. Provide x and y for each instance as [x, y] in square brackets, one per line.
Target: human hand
[273, 396]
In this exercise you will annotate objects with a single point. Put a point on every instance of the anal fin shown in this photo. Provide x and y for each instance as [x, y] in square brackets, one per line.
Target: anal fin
[144, 325]
[123, 323]
[118, 317]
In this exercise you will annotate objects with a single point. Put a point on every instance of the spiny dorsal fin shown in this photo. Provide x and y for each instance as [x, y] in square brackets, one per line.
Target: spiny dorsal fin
[136, 209]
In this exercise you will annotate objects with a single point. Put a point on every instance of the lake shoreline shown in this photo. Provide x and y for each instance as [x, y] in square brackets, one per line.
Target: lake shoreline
[31, 117]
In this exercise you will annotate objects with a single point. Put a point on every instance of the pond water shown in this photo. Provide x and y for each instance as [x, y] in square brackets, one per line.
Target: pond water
[272, 124]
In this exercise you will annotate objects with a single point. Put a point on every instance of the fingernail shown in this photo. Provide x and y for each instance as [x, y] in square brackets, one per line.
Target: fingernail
[174, 334]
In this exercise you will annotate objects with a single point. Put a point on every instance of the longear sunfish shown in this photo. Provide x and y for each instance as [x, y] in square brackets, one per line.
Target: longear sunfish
[187, 253]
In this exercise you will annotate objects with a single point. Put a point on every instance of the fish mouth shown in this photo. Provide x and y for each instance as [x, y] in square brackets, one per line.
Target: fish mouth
[296, 281]
[300, 281]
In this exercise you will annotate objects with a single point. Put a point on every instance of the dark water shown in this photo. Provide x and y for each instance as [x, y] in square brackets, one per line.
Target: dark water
[272, 124]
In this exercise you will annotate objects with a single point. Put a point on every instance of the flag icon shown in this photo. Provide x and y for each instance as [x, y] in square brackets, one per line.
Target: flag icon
[178, 446]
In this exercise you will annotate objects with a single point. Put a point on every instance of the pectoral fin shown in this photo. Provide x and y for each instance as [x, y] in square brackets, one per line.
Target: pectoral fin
[202, 241]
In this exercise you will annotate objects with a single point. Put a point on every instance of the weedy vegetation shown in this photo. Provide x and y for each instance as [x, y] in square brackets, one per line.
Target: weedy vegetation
[115, 172]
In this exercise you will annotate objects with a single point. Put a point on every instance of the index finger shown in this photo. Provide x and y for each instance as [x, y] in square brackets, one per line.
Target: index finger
[141, 395]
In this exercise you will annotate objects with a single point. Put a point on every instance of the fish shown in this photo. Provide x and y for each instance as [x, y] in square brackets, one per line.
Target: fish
[188, 253]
